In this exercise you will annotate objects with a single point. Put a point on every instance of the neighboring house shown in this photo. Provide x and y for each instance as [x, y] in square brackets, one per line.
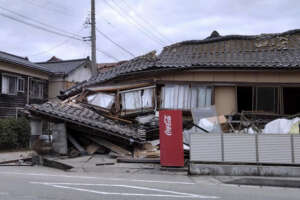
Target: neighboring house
[66, 73]
[22, 82]
[235, 73]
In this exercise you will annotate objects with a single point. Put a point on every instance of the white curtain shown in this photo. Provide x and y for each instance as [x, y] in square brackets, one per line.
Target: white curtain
[147, 98]
[185, 97]
[101, 99]
[5, 85]
[137, 99]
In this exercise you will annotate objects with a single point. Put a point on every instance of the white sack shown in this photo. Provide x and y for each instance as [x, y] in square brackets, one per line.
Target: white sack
[280, 126]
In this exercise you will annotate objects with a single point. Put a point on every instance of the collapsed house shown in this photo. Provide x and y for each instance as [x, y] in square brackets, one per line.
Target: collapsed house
[238, 74]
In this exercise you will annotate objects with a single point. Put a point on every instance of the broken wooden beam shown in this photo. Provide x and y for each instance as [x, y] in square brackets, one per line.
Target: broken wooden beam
[14, 161]
[115, 148]
[77, 145]
[55, 164]
[108, 163]
[138, 160]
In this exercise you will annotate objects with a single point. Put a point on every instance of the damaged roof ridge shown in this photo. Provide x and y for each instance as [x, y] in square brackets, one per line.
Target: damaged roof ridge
[63, 61]
[231, 37]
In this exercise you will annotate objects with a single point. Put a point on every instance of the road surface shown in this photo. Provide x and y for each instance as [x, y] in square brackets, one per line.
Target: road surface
[38, 183]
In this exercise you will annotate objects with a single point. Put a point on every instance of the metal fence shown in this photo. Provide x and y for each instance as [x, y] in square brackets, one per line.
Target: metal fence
[245, 148]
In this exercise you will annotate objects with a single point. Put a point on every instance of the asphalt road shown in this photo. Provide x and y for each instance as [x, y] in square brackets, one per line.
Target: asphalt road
[38, 183]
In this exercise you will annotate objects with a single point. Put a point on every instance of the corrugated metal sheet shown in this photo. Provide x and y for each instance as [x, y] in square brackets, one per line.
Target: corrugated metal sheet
[239, 148]
[274, 148]
[297, 148]
[205, 147]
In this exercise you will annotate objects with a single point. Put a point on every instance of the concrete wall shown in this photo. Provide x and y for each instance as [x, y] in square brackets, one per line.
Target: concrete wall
[80, 74]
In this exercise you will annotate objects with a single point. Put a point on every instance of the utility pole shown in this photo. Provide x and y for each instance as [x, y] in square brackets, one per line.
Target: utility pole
[93, 37]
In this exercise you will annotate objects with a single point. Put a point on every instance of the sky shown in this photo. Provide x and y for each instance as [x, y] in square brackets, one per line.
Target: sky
[40, 29]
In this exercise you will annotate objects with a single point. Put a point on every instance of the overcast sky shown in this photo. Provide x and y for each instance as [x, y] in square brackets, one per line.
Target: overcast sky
[139, 26]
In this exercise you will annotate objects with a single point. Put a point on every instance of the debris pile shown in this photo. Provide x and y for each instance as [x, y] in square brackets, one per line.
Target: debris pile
[119, 120]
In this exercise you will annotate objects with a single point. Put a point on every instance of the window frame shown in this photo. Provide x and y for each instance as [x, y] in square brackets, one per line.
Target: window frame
[23, 80]
[197, 86]
[16, 85]
[142, 108]
[40, 82]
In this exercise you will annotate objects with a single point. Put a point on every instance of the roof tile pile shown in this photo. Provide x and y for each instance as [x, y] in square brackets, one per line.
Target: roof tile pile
[77, 114]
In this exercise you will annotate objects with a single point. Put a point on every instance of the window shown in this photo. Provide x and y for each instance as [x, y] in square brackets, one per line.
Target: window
[137, 99]
[102, 100]
[37, 89]
[9, 84]
[185, 97]
[21, 84]
[262, 99]
[267, 99]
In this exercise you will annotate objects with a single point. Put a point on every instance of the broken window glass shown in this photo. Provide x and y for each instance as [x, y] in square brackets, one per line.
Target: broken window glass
[102, 100]
[137, 99]
[185, 97]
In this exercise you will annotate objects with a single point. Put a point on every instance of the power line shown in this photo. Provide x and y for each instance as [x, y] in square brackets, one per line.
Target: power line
[146, 21]
[115, 43]
[139, 24]
[54, 47]
[134, 23]
[53, 9]
[36, 21]
[105, 53]
[50, 49]
[40, 27]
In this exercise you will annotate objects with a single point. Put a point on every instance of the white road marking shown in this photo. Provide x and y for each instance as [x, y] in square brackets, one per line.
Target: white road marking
[99, 178]
[173, 194]
[3, 193]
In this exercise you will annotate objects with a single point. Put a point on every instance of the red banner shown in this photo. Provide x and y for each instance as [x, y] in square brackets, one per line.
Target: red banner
[170, 134]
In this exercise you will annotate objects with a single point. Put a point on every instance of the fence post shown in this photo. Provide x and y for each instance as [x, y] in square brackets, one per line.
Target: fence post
[256, 148]
[222, 147]
[292, 148]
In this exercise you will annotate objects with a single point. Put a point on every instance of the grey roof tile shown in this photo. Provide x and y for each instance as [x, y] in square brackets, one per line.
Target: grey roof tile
[265, 51]
[6, 57]
[86, 117]
[66, 66]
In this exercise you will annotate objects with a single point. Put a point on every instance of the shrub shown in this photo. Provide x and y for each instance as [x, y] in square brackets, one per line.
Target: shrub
[14, 133]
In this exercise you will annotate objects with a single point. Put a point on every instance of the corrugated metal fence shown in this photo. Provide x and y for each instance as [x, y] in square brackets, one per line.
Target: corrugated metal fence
[245, 148]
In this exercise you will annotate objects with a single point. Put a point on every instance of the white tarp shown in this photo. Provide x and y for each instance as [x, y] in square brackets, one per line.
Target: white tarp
[101, 99]
[137, 99]
[282, 126]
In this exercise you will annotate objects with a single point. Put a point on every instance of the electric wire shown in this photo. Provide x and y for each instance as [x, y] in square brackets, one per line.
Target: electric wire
[40, 27]
[115, 43]
[145, 20]
[134, 23]
[36, 21]
[138, 23]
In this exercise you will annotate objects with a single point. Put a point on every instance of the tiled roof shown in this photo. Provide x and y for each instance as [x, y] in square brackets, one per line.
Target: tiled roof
[64, 67]
[9, 58]
[85, 117]
[135, 65]
[234, 52]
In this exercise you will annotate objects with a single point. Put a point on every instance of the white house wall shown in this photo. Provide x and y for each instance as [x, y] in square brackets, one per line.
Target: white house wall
[79, 75]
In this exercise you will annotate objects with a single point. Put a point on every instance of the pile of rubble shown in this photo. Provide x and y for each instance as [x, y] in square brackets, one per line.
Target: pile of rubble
[93, 121]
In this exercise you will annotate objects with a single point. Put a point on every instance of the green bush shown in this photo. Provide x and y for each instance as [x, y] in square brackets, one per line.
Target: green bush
[14, 133]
